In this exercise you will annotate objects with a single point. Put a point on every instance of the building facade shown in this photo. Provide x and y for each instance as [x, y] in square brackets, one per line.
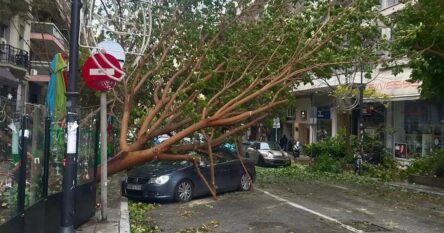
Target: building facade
[14, 58]
[408, 126]
[49, 26]
[27, 45]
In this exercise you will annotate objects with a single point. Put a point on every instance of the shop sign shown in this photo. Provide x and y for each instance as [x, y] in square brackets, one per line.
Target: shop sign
[395, 86]
[323, 113]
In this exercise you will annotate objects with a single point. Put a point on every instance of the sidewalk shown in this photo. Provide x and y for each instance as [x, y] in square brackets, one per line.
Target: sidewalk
[303, 159]
[419, 188]
[118, 216]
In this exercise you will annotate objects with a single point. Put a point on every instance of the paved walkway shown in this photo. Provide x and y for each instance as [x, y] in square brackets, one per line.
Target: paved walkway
[303, 159]
[118, 218]
[419, 188]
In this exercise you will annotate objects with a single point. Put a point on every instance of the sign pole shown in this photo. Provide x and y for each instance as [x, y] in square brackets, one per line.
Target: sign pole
[70, 162]
[100, 72]
[103, 158]
[276, 134]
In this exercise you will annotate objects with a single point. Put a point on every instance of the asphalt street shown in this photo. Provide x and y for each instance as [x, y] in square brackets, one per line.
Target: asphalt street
[305, 207]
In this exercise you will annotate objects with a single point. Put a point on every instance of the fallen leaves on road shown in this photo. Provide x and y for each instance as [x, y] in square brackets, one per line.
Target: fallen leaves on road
[185, 213]
[208, 227]
[139, 223]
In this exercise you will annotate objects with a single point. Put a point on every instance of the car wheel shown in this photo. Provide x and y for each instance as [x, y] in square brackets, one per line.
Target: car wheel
[245, 182]
[184, 191]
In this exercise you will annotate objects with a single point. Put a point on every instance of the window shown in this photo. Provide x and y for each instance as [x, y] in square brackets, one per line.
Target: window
[388, 3]
[3, 29]
[270, 146]
[419, 127]
[291, 112]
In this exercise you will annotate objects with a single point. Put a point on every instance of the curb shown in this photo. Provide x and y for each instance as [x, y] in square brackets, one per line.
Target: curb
[124, 226]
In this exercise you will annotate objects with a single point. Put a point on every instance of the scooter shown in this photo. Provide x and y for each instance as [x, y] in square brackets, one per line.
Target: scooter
[296, 151]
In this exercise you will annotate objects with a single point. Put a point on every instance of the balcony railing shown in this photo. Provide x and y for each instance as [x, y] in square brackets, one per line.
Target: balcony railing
[14, 56]
[40, 68]
[48, 28]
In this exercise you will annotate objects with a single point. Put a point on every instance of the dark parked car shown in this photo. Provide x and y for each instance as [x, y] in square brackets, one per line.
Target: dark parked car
[268, 153]
[179, 181]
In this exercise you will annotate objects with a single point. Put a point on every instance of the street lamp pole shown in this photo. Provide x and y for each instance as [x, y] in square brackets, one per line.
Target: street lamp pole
[361, 117]
[70, 161]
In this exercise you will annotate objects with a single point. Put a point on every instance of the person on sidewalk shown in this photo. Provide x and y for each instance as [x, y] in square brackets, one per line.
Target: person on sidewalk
[283, 142]
[291, 143]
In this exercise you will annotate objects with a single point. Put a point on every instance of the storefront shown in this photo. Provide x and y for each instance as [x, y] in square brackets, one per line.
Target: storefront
[418, 128]
[407, 126]
[313, 117]
[412, 127]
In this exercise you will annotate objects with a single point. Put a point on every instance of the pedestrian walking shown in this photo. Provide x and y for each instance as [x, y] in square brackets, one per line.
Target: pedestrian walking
[283, 142]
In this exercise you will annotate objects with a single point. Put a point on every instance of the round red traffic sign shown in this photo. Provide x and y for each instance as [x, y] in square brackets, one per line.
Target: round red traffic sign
[97, 78]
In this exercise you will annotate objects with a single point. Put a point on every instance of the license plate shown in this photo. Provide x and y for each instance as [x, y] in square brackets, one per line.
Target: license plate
[134, 187]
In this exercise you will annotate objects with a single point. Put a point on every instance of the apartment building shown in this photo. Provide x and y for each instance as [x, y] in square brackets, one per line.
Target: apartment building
[27, 45]
[14, 58]
[49, 26]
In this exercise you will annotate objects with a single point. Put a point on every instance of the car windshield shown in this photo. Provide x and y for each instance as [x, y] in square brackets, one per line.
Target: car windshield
[270, 146]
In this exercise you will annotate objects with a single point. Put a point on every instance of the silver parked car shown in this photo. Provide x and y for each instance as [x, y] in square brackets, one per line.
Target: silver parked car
[268, 153]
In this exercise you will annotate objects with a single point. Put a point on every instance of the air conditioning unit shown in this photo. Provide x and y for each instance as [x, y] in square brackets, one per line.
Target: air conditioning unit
[34, 72]
[3, 40]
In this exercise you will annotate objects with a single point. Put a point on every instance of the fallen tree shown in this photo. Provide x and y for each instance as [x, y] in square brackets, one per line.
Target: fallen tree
[218, 67]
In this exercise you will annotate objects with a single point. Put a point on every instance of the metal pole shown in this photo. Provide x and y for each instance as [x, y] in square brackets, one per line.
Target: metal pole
[70, 162]
[97, 144]
[103, 157]
[21, 192]
[276, 135]
[361, 117]
[46, 156]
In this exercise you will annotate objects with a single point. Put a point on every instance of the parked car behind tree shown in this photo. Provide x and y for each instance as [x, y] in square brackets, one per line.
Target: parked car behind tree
[268, 153]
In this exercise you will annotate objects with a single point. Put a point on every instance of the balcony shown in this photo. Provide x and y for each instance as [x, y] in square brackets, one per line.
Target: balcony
[15, 58]
[40, 71]
[47, 40]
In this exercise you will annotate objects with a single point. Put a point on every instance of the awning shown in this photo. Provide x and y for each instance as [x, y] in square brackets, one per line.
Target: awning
[7, 78]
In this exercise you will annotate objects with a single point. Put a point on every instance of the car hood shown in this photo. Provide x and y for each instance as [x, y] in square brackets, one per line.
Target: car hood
[147, 171]
[273, 152]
